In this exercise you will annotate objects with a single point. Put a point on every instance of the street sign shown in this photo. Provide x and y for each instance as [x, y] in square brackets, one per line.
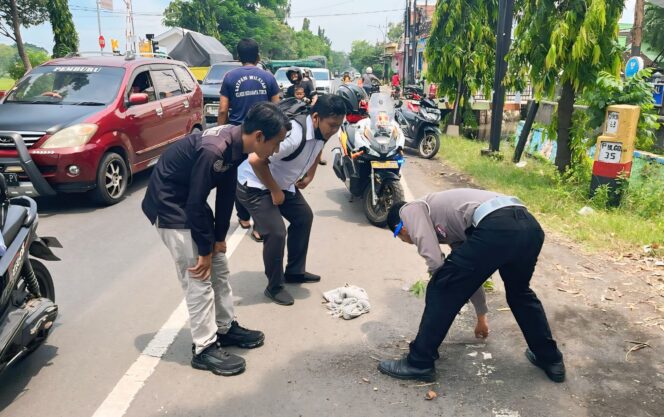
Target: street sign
[106, 4]
[634, 65]
[102, 42]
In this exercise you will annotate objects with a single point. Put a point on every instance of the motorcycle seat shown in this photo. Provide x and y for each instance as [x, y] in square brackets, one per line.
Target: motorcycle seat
[14, 221]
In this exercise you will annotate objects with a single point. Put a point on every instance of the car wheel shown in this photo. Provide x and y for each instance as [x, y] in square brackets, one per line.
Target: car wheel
[112, 179]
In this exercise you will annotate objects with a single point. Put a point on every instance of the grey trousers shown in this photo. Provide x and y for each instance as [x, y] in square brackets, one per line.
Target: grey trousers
[210, 302]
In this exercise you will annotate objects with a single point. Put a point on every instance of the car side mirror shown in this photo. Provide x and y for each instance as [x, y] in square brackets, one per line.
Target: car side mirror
[138, 98]
[200, 82]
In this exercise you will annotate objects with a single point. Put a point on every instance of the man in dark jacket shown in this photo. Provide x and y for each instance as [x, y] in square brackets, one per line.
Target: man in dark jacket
[176, 203]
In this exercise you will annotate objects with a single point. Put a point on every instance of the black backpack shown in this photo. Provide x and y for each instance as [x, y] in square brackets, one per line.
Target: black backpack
[298, 111]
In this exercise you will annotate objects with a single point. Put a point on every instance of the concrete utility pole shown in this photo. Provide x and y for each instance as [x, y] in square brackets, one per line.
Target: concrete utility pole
[406, 43]
[637, 30]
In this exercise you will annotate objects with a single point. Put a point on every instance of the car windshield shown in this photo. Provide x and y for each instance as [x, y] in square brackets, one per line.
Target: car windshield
[281, 76]
[217, 72]
[59, 84]
[322, 75]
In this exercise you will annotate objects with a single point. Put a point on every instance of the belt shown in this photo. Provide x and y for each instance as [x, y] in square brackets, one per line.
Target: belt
[492, 205]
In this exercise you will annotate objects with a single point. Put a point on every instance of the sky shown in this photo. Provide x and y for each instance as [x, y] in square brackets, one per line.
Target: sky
[364, 19]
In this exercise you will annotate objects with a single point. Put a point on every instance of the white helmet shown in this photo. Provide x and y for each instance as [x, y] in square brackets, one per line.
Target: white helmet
[369, 70]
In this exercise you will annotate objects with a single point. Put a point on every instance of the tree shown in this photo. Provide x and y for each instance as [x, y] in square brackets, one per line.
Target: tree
[338, 61]
[363, 54]
[64, 33]
[395, 31]
[637, 30]
[461, 49]
[17, 13]
[653, 22]
[308, 44]
[306, 23]
[36, 57]
[567, 44]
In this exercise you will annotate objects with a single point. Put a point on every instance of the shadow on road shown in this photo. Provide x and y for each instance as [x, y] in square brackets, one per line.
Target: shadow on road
[14, 381]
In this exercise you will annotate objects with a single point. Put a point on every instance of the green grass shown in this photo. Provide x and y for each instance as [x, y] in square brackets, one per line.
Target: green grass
[618, 231]
[6, 83]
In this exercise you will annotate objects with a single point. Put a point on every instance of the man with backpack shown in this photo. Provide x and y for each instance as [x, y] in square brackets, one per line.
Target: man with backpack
[270, 189]
[242, 88]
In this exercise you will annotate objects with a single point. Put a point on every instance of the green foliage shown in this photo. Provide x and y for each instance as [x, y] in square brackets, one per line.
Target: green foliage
[419, 288]
[263, 20]
[338, 61]
[462, 45]
[653, 23]
[36, 56]
[395, 31]
[610, 89]
[64, 33]
[363, 55]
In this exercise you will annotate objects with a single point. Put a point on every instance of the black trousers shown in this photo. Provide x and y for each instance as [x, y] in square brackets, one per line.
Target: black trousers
[508, 240]
[242, 212]
[269, 221]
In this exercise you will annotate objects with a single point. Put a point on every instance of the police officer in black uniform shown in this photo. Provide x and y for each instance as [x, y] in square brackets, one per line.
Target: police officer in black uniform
[176, 203]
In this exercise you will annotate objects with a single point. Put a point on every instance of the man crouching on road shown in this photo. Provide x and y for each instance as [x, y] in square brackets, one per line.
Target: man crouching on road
[270, 188]
[488, 232]
[176, 203]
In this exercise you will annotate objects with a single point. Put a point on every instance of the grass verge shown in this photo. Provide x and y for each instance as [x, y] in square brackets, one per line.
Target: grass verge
[616, 231]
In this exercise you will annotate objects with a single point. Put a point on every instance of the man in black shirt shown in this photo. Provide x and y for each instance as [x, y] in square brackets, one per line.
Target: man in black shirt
[176, 203]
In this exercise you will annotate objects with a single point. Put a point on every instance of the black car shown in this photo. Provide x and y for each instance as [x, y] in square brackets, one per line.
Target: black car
[211, 86]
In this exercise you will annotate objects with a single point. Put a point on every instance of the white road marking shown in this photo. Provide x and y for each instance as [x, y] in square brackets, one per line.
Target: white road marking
[118, 401]
[407, 194]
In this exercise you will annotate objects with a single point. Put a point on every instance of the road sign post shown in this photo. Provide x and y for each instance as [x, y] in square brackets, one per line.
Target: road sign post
[102, 43]
[615, 150]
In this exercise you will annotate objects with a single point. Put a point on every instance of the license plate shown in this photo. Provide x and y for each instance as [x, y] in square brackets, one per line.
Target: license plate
[384, 165]
[11, 179]
[212, 110]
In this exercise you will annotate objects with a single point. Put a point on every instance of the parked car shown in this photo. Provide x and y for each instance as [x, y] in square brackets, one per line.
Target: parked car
[89, 123]
[323, 80]
[211, 87]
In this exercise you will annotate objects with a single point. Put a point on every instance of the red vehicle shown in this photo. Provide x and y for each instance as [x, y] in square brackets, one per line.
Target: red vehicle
[89, 123]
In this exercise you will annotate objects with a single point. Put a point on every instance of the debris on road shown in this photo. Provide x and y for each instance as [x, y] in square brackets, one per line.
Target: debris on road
[347, 302]
[430, 395]
[637, 346]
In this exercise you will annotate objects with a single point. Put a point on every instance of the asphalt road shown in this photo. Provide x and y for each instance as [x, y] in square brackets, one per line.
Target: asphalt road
[119, 297]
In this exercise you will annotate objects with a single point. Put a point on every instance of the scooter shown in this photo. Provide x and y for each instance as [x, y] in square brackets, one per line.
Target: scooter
[419, 121]
[413, 92]
[27, 295]
[370, 158]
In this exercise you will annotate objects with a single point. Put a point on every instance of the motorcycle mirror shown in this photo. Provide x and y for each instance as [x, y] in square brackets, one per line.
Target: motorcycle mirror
[398, 104]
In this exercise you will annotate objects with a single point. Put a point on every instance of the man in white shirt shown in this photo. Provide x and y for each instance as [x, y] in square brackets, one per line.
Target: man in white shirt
[270, 188]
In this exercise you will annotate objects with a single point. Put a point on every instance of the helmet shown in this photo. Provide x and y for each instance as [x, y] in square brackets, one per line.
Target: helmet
[369, 70]
[352, 95]
[296, 70]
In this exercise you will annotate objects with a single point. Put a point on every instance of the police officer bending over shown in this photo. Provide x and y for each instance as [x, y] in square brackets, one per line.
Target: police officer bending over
[176, 203]
[488, 232]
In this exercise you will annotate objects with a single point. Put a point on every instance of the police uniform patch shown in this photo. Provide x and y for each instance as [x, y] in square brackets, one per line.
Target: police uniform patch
[219, 166]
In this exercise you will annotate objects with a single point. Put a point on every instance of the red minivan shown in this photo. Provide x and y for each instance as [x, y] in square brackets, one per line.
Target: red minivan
[89, 123]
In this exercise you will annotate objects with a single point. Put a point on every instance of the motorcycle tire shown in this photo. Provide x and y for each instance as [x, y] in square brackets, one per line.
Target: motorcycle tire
[391, 190]
[428, 146]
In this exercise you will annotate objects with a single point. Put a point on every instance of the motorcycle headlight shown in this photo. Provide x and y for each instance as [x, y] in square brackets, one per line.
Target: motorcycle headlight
[77, 135]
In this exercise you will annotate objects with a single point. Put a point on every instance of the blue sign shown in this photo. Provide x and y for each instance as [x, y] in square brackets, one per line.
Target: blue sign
[658, 94]
[634, 65]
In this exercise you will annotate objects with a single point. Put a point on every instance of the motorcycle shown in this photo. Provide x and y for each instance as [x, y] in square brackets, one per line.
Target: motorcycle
[27, 295]
[370, 157]
[419, 122]
[413, 92]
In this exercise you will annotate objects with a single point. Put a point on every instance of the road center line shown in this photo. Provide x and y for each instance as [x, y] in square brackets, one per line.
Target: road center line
[118, 401]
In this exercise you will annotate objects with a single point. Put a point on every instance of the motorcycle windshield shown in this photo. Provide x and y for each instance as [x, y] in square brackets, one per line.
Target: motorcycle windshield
[381, 110]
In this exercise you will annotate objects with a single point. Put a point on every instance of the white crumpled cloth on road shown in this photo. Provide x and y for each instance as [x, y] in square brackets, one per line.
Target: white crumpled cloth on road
[347, 302]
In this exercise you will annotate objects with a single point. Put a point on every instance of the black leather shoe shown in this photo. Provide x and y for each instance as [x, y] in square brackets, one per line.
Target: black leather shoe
[280, 296]
[241, 337]
[301, 278]
[401, 369]
[218, 361]
[555, 371]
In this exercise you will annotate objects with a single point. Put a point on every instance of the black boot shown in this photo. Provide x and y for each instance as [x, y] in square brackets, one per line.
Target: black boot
[241, 337]
[401, 369]
[555, 371]
[218, 361]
